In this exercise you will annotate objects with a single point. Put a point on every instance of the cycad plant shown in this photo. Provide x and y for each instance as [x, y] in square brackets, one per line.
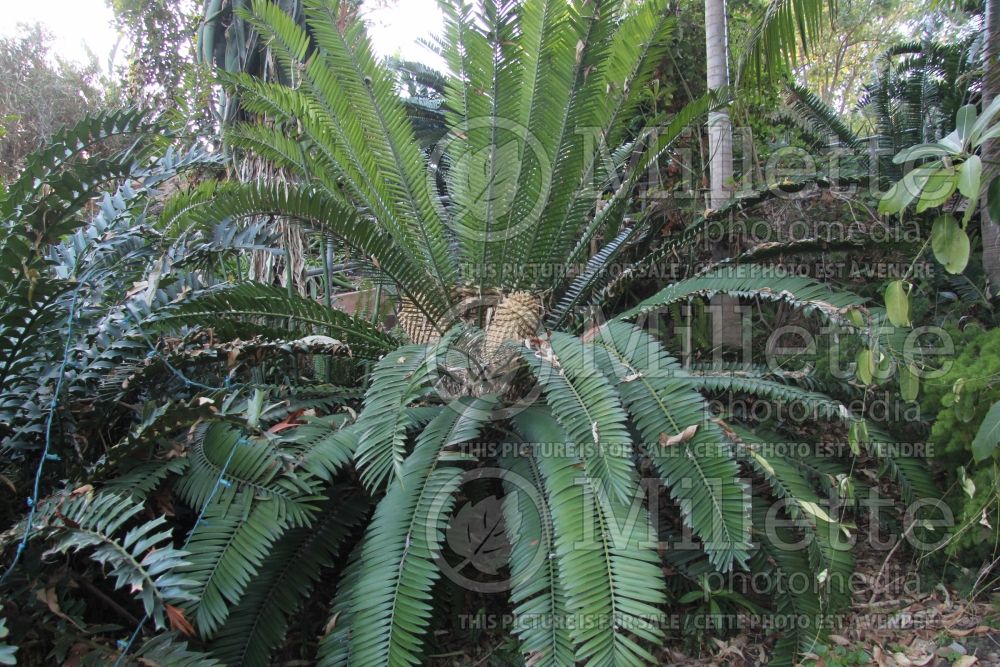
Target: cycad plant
[497, 243]
[519, 380]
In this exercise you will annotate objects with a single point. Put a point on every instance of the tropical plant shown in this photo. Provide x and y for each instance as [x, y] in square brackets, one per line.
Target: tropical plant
[476, 239]
[497, 243]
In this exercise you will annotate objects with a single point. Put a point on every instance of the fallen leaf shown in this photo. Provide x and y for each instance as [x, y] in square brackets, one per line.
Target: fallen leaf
[965, 661]
[683, 436]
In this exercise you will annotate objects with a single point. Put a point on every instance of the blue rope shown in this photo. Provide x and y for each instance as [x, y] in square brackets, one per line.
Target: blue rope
[53, 404]
[222, 481]
[173, 369]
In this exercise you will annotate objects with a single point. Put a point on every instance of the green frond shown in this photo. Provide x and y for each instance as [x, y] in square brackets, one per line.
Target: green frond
[254, 466]
[545, 65]
[798, 608]
[62, 154]
[701, 472]
[574, 165]
[820, 118]
[325, 212]
[390, 598]
[911, 473]
[143, 478]
[322, 447]
[828, 546]
[398, 379]
[636, 50]
[611, 217]
[607, 567]
[345, 49]
[587, 406]
[284, 580]
[227, 550]
[540, 612]
[141, 558]
[781, 30]
[755, 282]
[820, 405]
[248, 309]
[168, 649]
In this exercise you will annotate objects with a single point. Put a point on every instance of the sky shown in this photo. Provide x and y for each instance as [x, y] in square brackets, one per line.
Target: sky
[78, 24]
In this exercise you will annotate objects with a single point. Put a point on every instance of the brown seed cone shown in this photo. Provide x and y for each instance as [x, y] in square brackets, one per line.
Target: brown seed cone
[415, 323]
[517, 317]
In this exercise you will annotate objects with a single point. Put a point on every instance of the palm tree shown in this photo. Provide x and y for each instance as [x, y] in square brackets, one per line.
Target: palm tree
[720, 130]
[991, 149]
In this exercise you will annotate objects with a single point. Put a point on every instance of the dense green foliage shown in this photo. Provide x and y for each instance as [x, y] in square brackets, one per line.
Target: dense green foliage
[225, 471]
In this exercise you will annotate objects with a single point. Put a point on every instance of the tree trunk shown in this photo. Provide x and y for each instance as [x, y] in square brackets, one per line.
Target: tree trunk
[720, 129]
[991, 149]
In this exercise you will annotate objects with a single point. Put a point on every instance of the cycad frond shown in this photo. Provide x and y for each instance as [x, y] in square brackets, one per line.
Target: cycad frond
[588, 408]
[250, 309]
[541, 615]
[254, 466]
[610, 574]
[228, 548]
[141, 558]
[701, 472]
[781, 30]
[390, 597]
[328, 213]
[755, 282]
[799, 607]
[399, 379]
[257, 624]
[829, 548]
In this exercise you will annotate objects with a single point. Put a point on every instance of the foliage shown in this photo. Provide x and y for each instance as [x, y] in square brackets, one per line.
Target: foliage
[225, 444]
[42, 94]
[958, 404]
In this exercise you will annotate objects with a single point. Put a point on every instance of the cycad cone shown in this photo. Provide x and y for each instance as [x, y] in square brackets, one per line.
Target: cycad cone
[415, 323]
[516, 317]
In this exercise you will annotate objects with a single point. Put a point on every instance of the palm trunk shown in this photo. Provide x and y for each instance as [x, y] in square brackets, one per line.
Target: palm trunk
[720, 130]
[991, 150]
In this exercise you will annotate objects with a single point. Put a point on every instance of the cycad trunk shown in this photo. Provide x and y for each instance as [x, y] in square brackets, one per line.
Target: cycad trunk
[991, 150]
[720, 130]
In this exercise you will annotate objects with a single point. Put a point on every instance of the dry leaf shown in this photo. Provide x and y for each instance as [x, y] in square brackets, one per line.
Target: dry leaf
[683, 436]
[965, 661]
[178, 622]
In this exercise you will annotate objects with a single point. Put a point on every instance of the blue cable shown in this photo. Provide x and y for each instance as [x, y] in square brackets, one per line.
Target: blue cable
[201, 515]
[33, 500]
[176, 371]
